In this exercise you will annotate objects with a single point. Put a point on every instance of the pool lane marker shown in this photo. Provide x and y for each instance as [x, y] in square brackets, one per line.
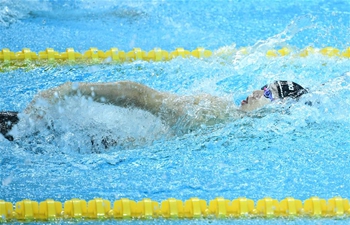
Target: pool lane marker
[193, 208]
[157, 54]
[93, 54]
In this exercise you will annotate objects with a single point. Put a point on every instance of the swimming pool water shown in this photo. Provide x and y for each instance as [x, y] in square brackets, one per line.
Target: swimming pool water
[282, 150]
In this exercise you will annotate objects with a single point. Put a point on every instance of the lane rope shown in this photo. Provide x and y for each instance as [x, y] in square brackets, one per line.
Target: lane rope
[193, 208]
[157, 54]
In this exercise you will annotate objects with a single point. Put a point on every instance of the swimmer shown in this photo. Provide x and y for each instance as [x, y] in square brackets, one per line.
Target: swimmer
[171, 108]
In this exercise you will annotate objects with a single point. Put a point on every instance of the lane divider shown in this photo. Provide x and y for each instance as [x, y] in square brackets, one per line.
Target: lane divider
[157, 54]
[113, 54]
[220, 208]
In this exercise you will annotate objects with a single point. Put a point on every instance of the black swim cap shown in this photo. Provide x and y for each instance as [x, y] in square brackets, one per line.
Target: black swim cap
[7, 120]
[288, 89]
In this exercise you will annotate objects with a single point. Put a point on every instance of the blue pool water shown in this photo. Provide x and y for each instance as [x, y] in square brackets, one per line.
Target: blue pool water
[283, 150]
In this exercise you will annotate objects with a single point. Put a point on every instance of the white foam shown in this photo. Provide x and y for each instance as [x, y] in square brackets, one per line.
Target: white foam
[79, 123]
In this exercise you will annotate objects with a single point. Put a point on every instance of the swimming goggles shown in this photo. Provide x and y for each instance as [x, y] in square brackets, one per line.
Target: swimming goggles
[268, 93]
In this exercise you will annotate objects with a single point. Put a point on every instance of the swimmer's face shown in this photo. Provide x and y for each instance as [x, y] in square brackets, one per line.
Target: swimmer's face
[257, 99]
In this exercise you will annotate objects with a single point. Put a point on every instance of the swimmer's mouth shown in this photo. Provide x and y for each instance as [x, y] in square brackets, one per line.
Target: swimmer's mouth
[244, 101]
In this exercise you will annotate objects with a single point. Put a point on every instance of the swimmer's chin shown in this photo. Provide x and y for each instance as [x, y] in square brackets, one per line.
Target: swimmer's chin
[244, 107]
[253, 110]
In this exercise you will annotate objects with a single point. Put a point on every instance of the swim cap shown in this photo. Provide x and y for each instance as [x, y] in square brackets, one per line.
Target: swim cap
[287, 89]
[7, 120]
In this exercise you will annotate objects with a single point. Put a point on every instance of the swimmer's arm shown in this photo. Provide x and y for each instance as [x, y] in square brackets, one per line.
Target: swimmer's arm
[124, 94]
[169, 107]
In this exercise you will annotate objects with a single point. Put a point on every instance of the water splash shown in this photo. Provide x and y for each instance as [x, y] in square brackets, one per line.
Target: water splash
[252, 59]
[78, 124]
[13, 10]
